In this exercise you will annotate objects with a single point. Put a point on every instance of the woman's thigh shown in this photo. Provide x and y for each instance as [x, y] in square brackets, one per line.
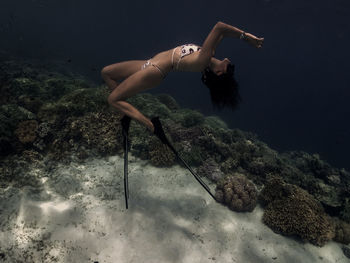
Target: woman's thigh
[147, 78]
[123, 70]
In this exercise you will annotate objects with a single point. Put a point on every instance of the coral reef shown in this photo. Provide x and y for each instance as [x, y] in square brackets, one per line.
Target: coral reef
[215, 122]
[160, 154]
[100, 131]
[211, 170]
[30, 103]
[290, 210]
[60, 115]
[76, 103]
[237, 192]
[328, 185]
[342, 231]
[14, 171]
[188, 118]
[168, 101]
[149, 105]
[26, 131]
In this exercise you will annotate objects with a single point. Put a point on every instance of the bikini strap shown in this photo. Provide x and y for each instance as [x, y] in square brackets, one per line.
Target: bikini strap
[172, 58]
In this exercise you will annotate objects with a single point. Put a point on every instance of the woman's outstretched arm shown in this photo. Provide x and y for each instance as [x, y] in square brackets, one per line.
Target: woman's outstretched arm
[219, 31]
[231, 31]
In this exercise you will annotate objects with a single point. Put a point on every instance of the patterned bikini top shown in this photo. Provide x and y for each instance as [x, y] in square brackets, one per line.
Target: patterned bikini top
[186, 49]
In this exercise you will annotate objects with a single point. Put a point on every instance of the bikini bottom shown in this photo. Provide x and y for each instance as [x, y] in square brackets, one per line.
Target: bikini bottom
[149, 63]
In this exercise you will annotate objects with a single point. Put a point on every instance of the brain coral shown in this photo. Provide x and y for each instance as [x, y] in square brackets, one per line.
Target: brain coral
[293, 211]
[26, 131]
[237, 192]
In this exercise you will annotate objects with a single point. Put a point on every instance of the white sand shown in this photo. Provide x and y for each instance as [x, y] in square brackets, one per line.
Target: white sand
[80, 216]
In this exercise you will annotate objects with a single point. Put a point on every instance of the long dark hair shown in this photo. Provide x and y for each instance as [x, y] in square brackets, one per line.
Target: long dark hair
[223, 89]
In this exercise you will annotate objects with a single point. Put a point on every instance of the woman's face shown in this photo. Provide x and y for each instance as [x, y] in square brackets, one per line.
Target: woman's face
[221, 67]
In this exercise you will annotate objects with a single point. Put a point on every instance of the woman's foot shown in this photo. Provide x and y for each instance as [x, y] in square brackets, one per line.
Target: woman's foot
[151, 127]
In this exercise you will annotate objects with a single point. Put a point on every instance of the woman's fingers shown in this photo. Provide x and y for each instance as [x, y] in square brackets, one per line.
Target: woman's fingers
[255, 41]
[260, 42]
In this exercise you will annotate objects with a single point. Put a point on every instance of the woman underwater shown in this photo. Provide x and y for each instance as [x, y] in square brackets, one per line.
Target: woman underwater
[140, 75]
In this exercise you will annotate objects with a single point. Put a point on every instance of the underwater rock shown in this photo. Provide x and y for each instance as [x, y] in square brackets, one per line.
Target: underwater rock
[237, 192]
[292, 211]
[26, 131]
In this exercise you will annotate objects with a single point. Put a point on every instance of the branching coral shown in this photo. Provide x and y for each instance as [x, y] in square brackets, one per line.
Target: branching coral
[237, 192]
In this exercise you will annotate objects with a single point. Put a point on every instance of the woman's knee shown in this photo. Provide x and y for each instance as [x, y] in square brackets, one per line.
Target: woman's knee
[113, 100]
[105, 72]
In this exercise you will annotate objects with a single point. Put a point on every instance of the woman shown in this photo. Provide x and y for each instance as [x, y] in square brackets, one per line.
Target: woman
[140, 75]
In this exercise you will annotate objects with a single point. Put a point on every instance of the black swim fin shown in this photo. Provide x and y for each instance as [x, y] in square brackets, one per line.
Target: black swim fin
[159, 132]
[125, 122]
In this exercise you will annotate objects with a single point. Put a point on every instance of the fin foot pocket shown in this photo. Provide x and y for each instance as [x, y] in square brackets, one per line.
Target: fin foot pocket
[158, 130]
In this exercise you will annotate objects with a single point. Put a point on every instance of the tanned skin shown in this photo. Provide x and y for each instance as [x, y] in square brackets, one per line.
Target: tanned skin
[126, 79]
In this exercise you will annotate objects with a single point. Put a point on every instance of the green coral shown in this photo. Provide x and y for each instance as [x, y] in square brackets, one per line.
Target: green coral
[188, 118]
[24, 85]
[168, 101]
[215, 122]
[149, 105]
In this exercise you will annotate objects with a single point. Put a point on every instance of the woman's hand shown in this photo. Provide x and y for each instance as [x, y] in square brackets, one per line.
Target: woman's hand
[255, 41]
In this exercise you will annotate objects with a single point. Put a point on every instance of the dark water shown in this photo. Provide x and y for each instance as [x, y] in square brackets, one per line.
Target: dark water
[295, 89]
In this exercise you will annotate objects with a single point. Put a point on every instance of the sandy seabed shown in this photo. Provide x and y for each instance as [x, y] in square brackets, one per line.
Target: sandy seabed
[78, 215]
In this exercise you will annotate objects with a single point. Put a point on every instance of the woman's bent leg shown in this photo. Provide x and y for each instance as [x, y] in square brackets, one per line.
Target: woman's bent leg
[137, 82]
[134, 113]
[114, 73]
